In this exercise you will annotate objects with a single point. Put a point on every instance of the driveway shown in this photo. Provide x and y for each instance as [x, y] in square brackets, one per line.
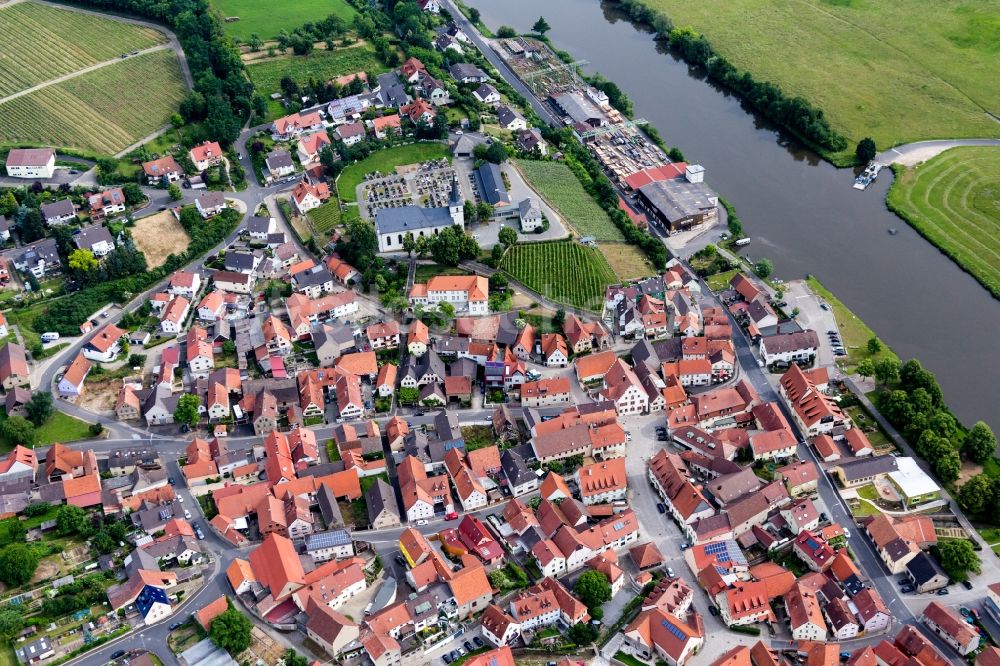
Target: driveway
[812, 315]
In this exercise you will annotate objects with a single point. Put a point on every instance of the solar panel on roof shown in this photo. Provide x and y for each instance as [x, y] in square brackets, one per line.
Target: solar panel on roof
[619, 525]
[714, 548]
[669, 626]
[328, 539]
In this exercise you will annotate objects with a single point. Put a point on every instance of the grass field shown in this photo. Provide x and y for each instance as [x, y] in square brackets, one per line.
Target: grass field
[318, 65]
[561, 189]
[895, 71]
[41, 43]
[267, 20]
[854, 333]
[954, 201]
[102, 111]
[385, 161]
[158, 235]
[627, 261]
[564, 271]
[60, 428]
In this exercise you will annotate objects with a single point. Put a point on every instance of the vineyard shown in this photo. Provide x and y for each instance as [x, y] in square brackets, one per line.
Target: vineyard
[326, 217]
[41, 43]
[564, 271]
[103, 111]
[559, 186]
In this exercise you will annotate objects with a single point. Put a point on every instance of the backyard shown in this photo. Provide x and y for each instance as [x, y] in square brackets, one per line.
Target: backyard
[953, 200]
[560, 188]
[542, 267]
[385, 161]
[897, 72]
[159, 235]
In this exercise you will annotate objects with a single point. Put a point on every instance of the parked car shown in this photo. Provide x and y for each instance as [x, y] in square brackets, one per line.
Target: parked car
[906, 589]
[447, 658]
[478, 641]
[175, 625]
[421, 522]
[468, 646]
[670, 572]
[966, 584]
[943, 591]
[118, 654]
[399, 560]
[661, 507]
[713, 610]
[172, 481]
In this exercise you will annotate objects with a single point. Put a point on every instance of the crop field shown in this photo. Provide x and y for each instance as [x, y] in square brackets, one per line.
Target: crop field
[895, 71]
[326, 217]
[386, 161]
[561, 190]
[320, 65]
[564, 271]
[41, 43]
[102, 111]
[158, 235]
[954, 201]
[627, 261]
[267, 19]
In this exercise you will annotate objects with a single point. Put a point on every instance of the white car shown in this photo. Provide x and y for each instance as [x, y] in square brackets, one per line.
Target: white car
[847, 533]
[421, 522]
[179, 498]
[187, 514]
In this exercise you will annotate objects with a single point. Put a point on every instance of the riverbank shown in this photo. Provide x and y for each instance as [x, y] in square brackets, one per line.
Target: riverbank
[854, 332]
[951, 200]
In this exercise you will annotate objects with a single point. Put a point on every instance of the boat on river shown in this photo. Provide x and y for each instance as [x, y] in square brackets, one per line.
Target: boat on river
[868, 176]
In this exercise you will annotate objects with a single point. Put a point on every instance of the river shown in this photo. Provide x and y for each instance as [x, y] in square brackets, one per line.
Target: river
[800, 211]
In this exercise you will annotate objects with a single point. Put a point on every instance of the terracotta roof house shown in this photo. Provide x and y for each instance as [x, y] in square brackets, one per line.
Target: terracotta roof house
[646, 555]
[13, 366]
[951, 628]
[657, 635]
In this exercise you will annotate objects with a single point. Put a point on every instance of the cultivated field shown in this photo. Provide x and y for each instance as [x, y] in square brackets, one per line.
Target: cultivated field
[325, 218]
[627, 261]
[320, 65]
[386, 161]
[102, 111]
[41, 43]
[267, 20]
[159, 235]
[954, 201]
[561, 189]
[564, 271]
[896, 71]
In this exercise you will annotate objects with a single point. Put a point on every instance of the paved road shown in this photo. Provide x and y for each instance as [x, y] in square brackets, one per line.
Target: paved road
[911, 154]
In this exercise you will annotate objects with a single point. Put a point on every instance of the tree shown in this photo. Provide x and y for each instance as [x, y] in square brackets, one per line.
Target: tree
[19, 430]
[559, 319]
[293, 658]
[593, 589]
[958, 558]
[675, 154]
[541, 26]
[866, 150]
[582, 634]
[446, 310]
[187, 410]
[506, 32]
[174, 192]
[11, 621]
[255, 42]
[763, 268]
[82, 261]
[887, 371]
[495, 153]
[230, 630]
[39, 408]
[874, 345]
[947, 464]
[498, 282]
[133, 194]
[976, 494]
[980, 444]
[507, 236]
[866, 368]
[137, 360]
[18, 562]
[474, 15]
[484, 212]
[71, 519]
[409, 244]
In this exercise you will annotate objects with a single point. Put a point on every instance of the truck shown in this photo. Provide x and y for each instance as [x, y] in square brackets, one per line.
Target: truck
[742, 241]
[50, 337]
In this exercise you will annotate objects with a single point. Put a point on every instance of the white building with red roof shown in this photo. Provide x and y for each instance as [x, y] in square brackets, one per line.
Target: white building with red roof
[310, 146]
[206, 154]
[184, 283]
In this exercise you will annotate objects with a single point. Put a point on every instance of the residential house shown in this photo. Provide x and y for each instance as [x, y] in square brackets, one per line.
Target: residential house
[165, 168]
[58, 212]
[206, 154]
[103, 204]
[210, 204]
[306, 196]
[71, 384]
[30, 162]
[105, 345]
[310, 147]
[95, 238]
[279, 164]
[951, 627]
[13, 366]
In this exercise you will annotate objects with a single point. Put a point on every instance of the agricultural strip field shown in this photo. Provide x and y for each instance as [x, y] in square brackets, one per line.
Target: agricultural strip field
[319, 65]
[267, 19]
[325, 218]
[159, 235]
[954, 201]
[564, 271]
[102, 111]
[895, 71]
[561, 189]
[386, 161]
[41, 43]
[627, 261]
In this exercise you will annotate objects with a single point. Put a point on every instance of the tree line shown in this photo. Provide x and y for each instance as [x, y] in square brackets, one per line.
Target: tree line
[792, 112]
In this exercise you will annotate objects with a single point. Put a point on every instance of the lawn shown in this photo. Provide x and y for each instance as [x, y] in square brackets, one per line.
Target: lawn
[862, 419]
[60, 427]
[320, 65]
[565, 271]
[627, 261]
[868, 492]
[265, 19]
[102, 111]
[720, 281]
[424, 272]
[326, 217]
[41, 43]
[854, 333]
[953, 200]
[895, 71]
[561, 190]
[386, 161]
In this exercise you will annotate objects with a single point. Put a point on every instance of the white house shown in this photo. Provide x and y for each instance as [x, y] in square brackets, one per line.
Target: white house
[95, 238]
[31, 162]
[184, 283]
[210, 203]
[798, 347]
[465, 292]
[174, 315]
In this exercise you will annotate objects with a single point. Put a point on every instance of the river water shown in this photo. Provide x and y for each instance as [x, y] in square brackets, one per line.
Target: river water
[800, 211]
